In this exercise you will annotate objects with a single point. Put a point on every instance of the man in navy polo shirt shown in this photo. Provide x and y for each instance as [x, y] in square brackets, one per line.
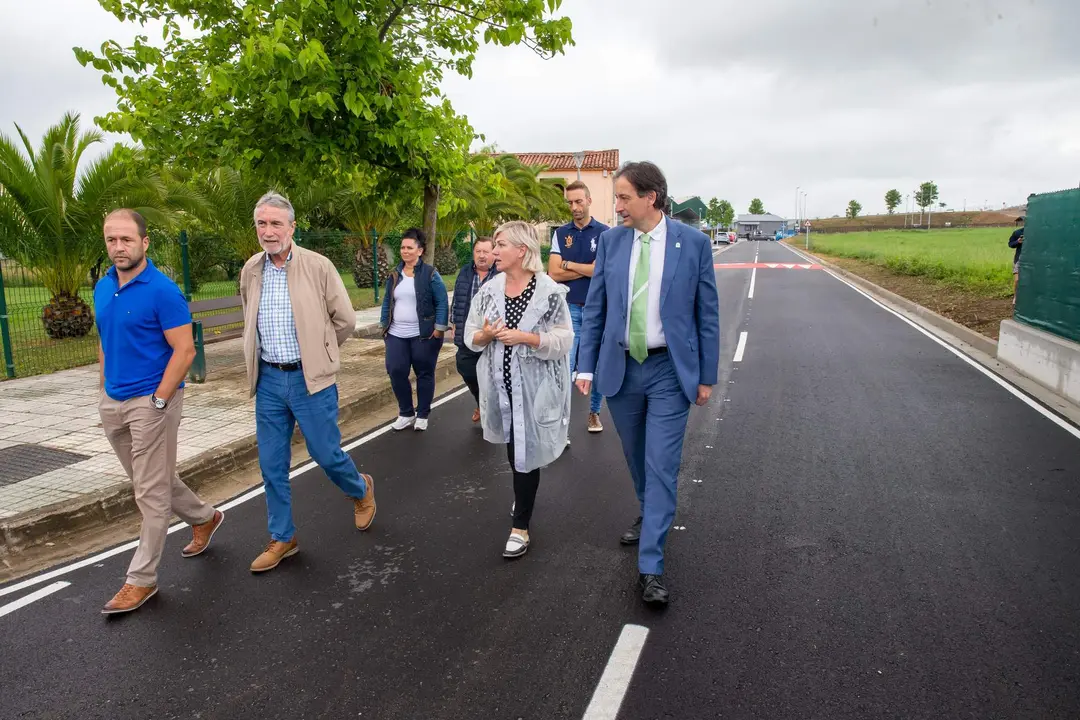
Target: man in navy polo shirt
[573, 253]
[145, 351]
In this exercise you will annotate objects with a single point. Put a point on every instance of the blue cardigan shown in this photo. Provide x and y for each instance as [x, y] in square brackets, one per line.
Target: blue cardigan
[432, 306]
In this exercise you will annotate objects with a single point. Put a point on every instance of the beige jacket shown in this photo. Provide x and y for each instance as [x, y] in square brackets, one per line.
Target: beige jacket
[322, 312]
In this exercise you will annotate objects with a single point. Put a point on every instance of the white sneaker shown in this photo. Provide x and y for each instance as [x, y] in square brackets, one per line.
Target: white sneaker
[421, 424]
[516, 545]
[403, 422]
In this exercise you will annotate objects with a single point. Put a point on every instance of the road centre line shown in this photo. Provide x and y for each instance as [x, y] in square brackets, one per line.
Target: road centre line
[618, 672]
[1064, 425]
[32, 597]
[741, 347]
[45, 577]
[753, 279]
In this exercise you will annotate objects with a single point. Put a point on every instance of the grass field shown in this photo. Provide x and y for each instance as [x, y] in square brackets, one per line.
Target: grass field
[977, 260]
[35, 353]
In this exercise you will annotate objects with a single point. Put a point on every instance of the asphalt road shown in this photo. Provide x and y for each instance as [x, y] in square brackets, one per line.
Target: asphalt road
[867, 527]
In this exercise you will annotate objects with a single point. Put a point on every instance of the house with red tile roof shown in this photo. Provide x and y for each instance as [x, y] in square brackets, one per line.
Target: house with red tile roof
[597, 171]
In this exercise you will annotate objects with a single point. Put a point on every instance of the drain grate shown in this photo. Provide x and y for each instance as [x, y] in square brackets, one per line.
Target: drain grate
[22, 462]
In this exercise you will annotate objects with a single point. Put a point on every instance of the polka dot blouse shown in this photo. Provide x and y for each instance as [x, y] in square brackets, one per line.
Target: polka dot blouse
[515, 309]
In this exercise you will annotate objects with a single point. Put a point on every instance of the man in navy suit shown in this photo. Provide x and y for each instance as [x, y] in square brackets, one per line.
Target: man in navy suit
[650, 337]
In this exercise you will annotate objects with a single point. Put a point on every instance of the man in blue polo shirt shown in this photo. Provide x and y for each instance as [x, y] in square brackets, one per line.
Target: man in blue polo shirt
[573, 253]
[145, 351]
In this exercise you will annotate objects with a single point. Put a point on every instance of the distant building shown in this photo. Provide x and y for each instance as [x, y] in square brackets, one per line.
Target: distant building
[688, 209]
[597, 172]
[759, 225]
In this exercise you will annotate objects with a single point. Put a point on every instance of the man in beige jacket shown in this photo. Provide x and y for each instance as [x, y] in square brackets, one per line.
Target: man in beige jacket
[296, 315]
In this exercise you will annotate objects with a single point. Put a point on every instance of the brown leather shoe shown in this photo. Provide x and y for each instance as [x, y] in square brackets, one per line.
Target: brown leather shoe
[274, 553]
[130, 597]
[364, 508]
[201, 535]
[595, 425]
[476, 415]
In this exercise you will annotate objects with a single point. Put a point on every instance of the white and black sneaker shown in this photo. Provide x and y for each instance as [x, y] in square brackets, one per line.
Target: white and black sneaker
[403, 423]
[516, 545]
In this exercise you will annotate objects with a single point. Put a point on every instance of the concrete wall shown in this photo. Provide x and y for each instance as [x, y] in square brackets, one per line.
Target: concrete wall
[601, 188]
[1047, 359]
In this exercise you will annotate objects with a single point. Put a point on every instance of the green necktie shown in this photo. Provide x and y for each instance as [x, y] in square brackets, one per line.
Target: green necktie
[639, 305]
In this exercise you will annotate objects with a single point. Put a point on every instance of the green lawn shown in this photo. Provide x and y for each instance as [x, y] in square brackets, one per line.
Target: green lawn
[976, 259]
[35, 353]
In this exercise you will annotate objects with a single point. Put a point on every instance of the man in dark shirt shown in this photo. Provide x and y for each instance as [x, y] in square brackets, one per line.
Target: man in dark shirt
[1016, 240]
[468, 283]
[573, 254]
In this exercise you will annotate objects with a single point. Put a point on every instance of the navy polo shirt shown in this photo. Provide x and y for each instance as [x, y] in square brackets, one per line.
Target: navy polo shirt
[578, 245]
[132, 321]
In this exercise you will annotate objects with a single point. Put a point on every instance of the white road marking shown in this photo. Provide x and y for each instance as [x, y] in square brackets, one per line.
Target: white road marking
[1066, 426]
[32, 598]
[741, 347]
[45, 577]
[615, 681]
[753, 279]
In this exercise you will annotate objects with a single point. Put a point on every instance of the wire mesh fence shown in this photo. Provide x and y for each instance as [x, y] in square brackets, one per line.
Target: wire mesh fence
[44, 331]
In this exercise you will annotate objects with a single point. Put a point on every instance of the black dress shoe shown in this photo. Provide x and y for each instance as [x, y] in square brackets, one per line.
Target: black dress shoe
[633, 535]
[654, 591]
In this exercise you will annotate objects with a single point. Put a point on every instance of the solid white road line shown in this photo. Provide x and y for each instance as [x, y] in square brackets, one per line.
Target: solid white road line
[227, 506]
[32, 598]
[741, 347]
[753, 279]
[617, 674]
[1067, 427]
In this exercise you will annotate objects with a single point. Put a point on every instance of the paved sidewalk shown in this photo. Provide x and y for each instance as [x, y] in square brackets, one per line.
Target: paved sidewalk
[53, 450]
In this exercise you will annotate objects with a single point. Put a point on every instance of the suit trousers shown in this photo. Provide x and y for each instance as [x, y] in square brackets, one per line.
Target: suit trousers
[144, 439]
[650, 413]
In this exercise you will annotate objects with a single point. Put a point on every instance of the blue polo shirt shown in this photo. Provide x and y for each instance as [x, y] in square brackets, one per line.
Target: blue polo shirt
[132, 321]
[578, 245]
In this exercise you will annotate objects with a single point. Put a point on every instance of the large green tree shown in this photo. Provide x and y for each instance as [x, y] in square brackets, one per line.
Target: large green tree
[892, 200]
[853, 209]
[52, 204]
[927, 195]
[727, 213]
[297, 91]
[757, 207]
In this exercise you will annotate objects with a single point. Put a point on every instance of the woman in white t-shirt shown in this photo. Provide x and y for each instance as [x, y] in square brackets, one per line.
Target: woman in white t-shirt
[415, 313]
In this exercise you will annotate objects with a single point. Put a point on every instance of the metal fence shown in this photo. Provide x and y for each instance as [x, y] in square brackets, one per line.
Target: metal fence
[42, 333]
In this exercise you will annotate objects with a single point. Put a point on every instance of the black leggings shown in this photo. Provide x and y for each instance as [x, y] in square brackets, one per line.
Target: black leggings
[525, 486]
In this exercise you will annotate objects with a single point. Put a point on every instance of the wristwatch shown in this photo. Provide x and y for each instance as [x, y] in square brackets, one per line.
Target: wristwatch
[158, 402]
[564, 264]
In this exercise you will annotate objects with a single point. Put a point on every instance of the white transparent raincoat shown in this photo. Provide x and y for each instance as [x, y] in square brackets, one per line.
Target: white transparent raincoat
[540, 377]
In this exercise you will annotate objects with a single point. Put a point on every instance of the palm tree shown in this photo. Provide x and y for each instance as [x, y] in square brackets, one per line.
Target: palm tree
[51, 213]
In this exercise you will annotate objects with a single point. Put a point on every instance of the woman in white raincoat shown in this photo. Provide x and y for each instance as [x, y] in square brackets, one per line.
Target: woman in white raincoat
[521, 322]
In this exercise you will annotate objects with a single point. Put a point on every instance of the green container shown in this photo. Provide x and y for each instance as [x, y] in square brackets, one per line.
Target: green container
[1048, 296]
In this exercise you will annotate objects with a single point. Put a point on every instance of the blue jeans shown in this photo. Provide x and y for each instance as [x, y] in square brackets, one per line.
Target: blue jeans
[650, 413]
[595, 398]
[282, 401]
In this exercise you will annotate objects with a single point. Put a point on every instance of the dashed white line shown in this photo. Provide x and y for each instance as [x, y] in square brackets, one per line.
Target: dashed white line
[45, 577]
[741, 347]
[1067, 427]
[615, 681]
[753, 280]
[32, 597]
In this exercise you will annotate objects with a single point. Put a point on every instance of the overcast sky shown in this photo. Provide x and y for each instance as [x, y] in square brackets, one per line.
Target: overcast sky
[734, 99]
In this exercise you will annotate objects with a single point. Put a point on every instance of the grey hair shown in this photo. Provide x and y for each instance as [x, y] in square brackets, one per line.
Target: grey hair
[522, 234]
[277, 200]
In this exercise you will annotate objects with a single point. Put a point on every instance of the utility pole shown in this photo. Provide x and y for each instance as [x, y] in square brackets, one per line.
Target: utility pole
[579, 159]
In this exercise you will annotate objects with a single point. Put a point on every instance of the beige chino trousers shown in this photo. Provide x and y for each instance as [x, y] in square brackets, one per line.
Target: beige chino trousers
[144, 439]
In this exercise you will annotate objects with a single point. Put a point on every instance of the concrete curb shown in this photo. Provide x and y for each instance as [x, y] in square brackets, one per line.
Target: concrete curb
[977, 340]
[118, 502]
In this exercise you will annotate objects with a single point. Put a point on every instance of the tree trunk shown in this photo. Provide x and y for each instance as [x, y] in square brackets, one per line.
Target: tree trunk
[431, 213]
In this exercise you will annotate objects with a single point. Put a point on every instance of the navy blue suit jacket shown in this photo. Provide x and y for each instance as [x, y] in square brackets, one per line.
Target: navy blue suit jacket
[689, 310]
